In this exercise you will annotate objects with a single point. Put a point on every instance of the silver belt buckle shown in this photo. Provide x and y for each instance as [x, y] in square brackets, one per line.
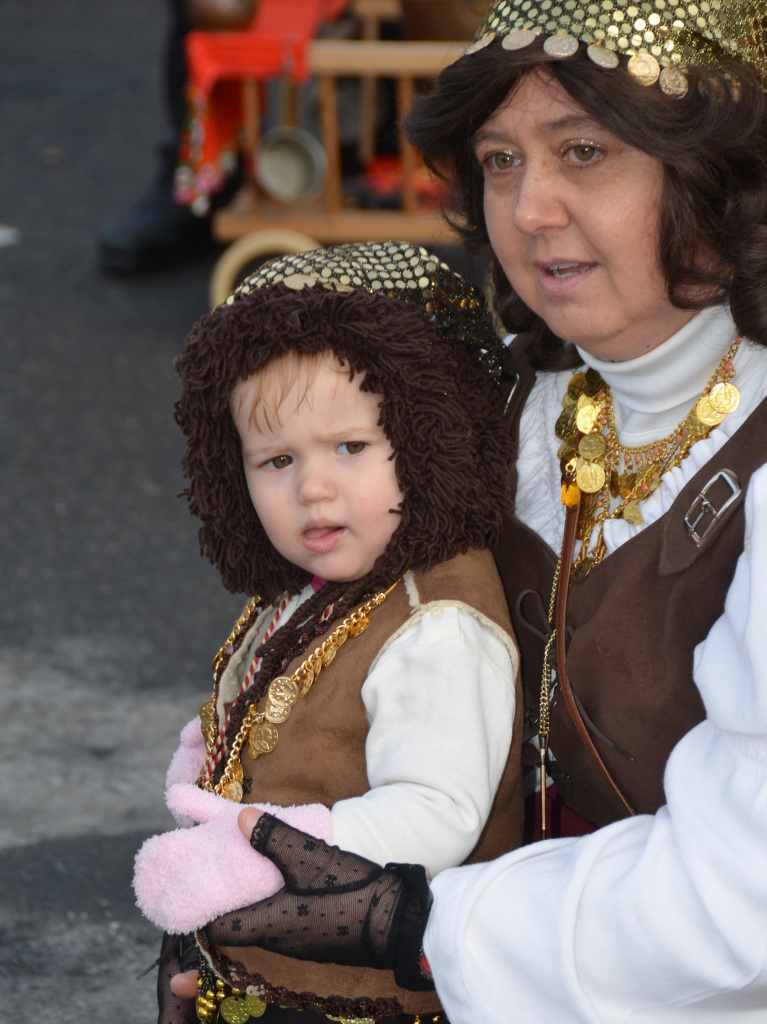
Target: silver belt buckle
[703, 507]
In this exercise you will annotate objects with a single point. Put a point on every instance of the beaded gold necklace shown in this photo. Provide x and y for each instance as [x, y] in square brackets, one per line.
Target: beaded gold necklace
[259, 727]
[599, 470]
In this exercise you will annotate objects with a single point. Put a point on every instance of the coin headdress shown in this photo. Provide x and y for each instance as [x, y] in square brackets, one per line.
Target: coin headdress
[397, 270]
[659, 37]
[410, 330]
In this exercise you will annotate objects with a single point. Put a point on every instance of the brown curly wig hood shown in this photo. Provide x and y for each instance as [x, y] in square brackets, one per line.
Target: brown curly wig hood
[440, 410]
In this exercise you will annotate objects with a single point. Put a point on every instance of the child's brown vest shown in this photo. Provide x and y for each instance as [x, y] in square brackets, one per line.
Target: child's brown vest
[320, 757]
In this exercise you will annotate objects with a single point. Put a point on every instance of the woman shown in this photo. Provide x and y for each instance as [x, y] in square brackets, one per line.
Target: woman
[612, 158]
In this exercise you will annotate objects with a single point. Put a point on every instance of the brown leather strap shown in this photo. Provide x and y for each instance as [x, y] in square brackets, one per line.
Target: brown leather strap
[560, 623]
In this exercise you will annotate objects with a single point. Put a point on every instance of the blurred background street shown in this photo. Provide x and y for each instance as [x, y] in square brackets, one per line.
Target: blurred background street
[108, 617]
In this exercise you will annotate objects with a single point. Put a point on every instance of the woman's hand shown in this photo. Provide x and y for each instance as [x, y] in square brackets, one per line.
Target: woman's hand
[334, 907]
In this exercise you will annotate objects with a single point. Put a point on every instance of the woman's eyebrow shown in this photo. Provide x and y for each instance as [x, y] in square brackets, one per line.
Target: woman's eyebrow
[577, 122]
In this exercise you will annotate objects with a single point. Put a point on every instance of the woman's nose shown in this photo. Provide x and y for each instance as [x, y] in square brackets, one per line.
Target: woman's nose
[540, 202]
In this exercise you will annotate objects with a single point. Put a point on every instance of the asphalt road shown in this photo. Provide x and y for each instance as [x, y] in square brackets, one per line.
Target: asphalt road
[108, 617]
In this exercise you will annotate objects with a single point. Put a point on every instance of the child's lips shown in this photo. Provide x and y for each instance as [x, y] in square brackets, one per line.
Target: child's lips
[320, 539]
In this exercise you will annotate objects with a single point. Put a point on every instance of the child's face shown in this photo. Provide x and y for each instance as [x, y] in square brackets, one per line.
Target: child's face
[320, 471]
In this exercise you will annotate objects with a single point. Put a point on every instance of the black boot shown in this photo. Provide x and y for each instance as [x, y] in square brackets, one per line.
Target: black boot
[158, 233]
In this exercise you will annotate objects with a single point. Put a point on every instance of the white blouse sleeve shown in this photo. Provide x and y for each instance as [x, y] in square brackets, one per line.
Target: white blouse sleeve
[656, 919]
[441, 706]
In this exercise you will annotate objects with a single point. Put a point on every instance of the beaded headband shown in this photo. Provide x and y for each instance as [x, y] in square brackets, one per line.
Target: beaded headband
[660, 37]
[395, 270]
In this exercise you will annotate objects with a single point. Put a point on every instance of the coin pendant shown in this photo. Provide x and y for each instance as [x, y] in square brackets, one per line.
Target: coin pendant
[590, 477]
[626, 484]
[586, 418]
[208, 711]
[576, 385]
[581, 570]
[282, 690]
[567, 400]
[359, 626]
[564, 428]
[234, 1011]
[256, 1007]
[724, 398]
[706, 412]
[262, 738]
[594, 382]
[694, 425]
[632, 514]
[277, 713]
[237, 773]
[614, 484]
[591, 446]
[328, 652]
[233, 791]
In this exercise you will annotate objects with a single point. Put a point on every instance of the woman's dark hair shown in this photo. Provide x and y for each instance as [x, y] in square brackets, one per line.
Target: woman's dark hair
[440, 409]
[713, 146]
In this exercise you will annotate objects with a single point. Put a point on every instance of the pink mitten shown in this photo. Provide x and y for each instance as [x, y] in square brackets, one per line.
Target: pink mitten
[187, 877]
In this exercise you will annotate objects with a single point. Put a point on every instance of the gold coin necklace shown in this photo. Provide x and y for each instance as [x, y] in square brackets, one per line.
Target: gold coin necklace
[259, 727]
[597, 469]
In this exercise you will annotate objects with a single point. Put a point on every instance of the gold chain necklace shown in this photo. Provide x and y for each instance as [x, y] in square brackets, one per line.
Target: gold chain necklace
[597, 468]
[259, 728]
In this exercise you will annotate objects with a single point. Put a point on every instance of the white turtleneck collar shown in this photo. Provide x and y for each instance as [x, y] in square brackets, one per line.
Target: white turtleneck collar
[655, 391]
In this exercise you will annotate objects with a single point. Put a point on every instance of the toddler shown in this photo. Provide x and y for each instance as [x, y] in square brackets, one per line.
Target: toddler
[349, 463]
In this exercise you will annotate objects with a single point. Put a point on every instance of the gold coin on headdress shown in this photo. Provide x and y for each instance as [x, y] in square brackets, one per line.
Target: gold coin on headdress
[645, 68]
[673, 81]
[632, 514]
[602, 57]
[706, 413]
[561, 45]
[724, 398]
[586, 418]
[479, 44]
[282, 690]
[298, 281]
[590, 477]
[518, 40]
[592, 446]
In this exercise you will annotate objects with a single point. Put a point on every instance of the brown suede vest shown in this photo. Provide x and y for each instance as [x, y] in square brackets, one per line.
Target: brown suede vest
[633, 625]
[320, 757]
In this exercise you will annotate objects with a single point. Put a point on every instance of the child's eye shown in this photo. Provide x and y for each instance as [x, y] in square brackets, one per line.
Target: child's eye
[351, 447]
[279, 461]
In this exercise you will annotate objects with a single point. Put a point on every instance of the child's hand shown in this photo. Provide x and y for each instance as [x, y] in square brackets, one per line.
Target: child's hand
[184, 985]
[247, 821]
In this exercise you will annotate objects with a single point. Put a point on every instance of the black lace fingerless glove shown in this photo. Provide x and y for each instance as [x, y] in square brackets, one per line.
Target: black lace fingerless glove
[335, 907]
[179, 953]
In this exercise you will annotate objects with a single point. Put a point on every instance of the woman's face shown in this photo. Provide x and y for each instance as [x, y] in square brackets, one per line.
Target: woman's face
[572, 215]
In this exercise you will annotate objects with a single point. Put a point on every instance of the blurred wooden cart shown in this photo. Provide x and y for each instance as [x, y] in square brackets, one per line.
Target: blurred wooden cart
[257, 226]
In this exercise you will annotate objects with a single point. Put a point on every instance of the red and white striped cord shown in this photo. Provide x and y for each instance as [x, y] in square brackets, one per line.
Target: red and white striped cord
[217, 751]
